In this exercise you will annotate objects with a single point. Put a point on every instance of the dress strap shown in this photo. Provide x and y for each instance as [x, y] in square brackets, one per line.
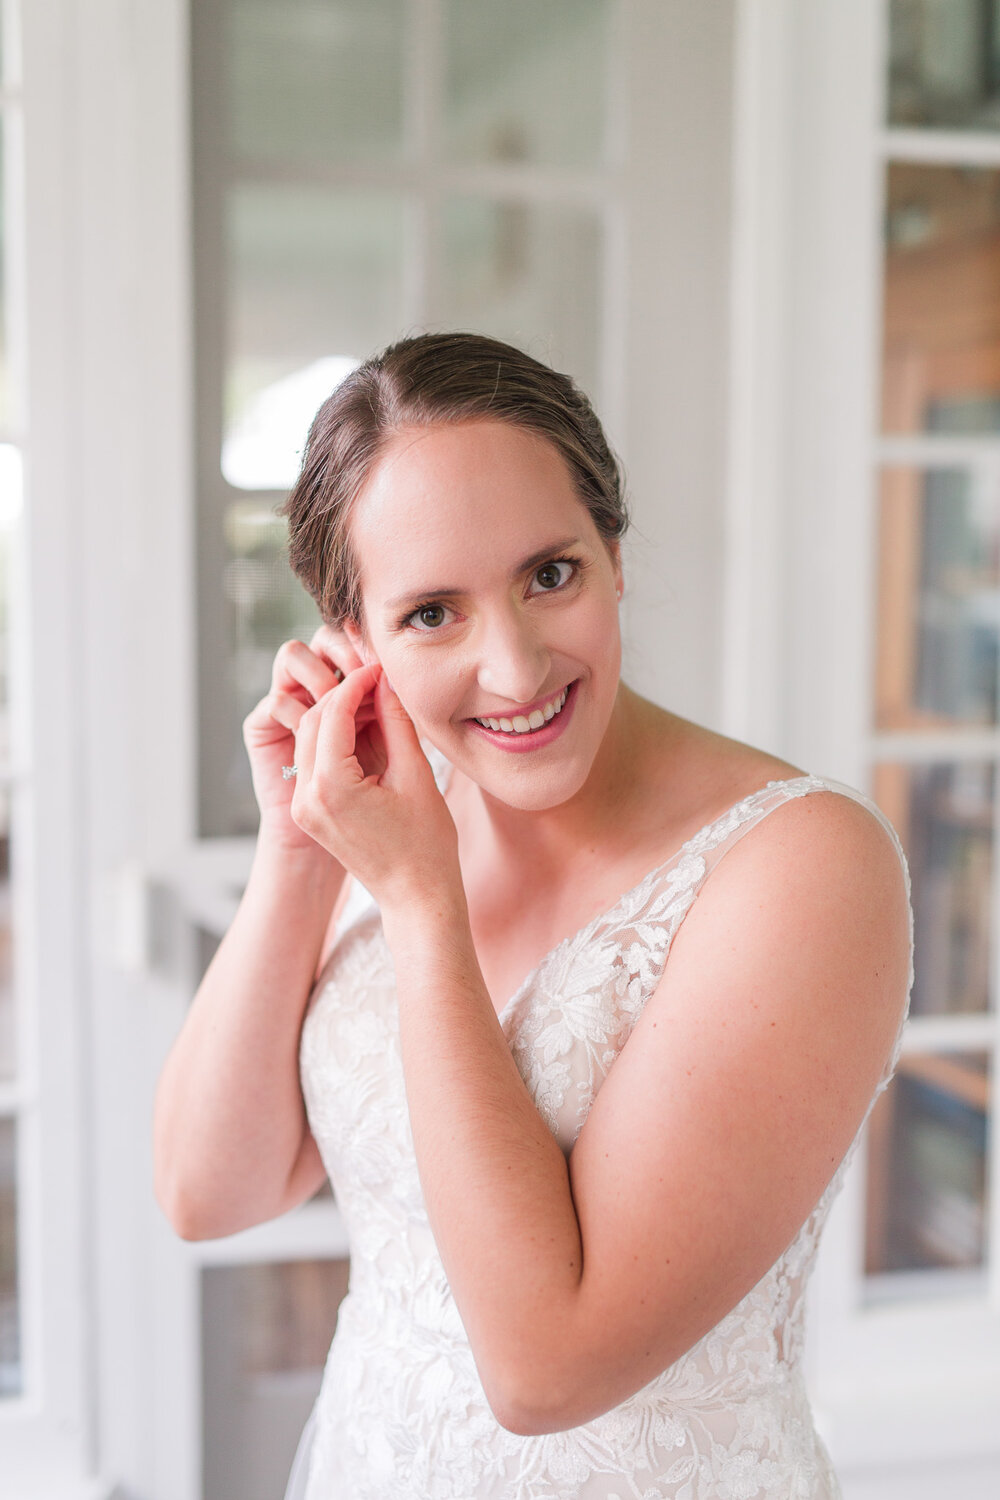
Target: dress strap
[721, 835]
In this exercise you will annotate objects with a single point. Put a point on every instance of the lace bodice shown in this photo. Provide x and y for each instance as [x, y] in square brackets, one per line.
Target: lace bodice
[401, 1414]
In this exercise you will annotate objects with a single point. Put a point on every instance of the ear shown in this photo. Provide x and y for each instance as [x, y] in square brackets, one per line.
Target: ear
[615, 553]
[362, 647]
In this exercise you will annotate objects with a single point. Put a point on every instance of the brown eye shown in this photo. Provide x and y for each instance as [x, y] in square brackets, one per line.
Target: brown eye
[551, 574]
[428, 616]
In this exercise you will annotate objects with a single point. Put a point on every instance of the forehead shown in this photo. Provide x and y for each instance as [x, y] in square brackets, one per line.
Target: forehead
[461, 496]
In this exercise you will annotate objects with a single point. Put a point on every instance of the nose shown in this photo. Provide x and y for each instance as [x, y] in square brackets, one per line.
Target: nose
[513, 661]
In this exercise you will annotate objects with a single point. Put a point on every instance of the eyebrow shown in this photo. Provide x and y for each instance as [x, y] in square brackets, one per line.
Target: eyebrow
[544, 554]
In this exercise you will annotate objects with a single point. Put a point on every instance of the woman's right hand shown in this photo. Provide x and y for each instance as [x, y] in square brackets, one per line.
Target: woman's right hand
[300, 676]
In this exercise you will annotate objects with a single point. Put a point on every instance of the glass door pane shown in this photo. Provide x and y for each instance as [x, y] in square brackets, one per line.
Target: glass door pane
[941, 307]
[315, 81]
[266, 1329]
[938, 661]
[944, 64]
[928, 1166]
[10, 1338]
[945, 816]
[315, 281]
[525, 82]
[527, 273]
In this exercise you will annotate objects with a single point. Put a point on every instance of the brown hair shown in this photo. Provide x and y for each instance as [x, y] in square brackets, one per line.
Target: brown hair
[435, 377]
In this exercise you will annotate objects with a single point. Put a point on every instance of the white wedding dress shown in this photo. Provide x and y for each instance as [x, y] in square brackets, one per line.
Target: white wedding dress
[401, 1414]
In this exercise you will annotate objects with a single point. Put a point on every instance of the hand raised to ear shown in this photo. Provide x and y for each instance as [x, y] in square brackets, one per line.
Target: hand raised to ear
[371, 799]
[300, 675]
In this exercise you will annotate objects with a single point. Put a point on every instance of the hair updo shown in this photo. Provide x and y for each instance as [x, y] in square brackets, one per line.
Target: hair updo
[417, 382]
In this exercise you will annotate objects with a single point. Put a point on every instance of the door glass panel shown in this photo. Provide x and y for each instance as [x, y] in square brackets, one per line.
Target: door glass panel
[4, 355]
[526, 273]
[266, 1331]
[939, 598]
[944, 815]
[315, 81]
[10, 503]
[526, 82]
[941, 308]
[944, 63]
[265, 605]
[315, 284]
[927, 1166]
[10, 1337]
[8, 1047]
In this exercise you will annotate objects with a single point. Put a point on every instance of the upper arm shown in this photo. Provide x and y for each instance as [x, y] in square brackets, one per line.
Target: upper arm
[741, 1087]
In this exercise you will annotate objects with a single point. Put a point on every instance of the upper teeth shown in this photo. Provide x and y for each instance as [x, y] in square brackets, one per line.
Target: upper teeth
[534, 720]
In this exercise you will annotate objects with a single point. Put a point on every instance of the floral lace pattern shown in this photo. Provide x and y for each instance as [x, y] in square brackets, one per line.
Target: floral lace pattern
[402, 1413]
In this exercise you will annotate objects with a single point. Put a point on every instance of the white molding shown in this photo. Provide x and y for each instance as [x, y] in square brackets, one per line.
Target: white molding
[48, 1434]
[316, 1231]
[31, 1488]
[965, 1032]
[969, 148]
[914, 747]
[938, 450]
[518, 182]
[755, 499]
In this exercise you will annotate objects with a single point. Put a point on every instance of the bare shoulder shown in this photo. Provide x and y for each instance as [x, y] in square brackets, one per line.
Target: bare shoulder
[815, 892]
[821, 840]
[818, 851]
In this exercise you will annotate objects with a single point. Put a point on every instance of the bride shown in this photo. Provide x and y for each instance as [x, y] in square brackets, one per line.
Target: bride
[580, 1005]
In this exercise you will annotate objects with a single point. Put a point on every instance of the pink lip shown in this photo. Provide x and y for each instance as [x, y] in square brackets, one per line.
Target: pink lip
[533, 739]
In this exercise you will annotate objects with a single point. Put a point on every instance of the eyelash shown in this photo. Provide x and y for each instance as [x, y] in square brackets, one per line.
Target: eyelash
[576, 563]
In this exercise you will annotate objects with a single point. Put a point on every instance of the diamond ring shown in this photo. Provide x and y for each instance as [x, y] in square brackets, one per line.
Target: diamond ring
[288, 772]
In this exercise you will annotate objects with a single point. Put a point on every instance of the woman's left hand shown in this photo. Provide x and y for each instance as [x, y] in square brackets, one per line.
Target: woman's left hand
[369, 796]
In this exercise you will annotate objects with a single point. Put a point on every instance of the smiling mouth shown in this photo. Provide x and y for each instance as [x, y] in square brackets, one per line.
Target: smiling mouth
[521, 724]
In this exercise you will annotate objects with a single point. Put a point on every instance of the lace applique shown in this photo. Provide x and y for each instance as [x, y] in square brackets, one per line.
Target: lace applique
[402, 1411]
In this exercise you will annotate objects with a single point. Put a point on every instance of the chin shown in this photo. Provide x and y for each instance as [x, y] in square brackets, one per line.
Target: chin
[526, 787]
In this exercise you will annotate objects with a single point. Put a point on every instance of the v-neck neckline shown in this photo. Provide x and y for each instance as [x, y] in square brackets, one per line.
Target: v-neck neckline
[657, 869]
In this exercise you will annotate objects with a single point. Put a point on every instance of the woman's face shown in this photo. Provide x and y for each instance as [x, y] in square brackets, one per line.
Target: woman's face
[489, 594]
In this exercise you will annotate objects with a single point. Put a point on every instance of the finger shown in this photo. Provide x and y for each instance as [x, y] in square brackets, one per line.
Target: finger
[339, 716]
[335, 646]
[402, 743]
[276, 708]
[298, 670]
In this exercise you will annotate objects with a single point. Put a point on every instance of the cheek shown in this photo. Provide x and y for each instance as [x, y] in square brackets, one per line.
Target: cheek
[592, 633]
[424, 689]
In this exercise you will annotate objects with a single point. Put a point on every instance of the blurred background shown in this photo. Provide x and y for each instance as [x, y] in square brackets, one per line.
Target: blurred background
[764, 235]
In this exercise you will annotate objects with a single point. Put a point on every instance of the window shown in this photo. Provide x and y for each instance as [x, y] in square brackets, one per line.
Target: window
[937, 671]
[865, 606]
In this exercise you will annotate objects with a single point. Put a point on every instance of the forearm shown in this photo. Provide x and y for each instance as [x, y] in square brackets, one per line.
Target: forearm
[229, 1119]
[495, 1180]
